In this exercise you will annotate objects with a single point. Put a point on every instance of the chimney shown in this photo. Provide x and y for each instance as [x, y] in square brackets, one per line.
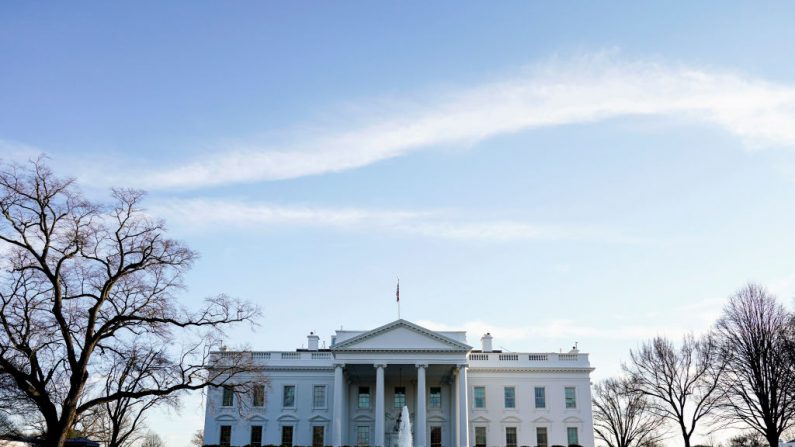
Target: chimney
[312, 341]
[485, 342]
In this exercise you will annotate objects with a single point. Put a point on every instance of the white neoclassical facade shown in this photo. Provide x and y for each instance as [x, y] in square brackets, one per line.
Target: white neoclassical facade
[352, 394]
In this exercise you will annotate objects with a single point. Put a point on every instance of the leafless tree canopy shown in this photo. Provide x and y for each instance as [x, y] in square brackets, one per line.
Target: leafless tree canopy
[198, 438]
[152, 440]
[87, 290]
[622, 417]
[760, 378]
[681, 383]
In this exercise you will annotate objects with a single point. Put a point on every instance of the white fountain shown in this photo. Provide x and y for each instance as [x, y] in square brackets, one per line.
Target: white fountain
[404, 432]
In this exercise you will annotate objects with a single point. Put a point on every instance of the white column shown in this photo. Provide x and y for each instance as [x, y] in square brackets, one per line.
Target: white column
[463, 409]
[419, 424]
[379, 405]
[337, 416]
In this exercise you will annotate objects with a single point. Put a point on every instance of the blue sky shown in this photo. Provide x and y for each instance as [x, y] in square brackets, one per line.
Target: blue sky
[597, 172]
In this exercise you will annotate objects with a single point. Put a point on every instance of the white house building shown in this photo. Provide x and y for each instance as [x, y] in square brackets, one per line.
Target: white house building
[353, 392]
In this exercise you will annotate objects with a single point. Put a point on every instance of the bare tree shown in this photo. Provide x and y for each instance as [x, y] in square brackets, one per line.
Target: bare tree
[748, 439]
[83, 284]
[681, 383]
[152, 440]
[198, 438]
[621, 417]
[760, 376]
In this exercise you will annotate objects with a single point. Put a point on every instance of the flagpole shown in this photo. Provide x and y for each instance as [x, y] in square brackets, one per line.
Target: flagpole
[397, 296]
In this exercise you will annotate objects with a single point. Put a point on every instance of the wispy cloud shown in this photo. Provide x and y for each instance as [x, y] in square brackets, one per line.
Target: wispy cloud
[578, 90]
[557, 329]
[210, 214]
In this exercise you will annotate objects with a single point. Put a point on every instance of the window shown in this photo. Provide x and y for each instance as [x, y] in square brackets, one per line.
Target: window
[510, 436]
[436, 436]
[510, 397]
[480, 397]
[541, 437]
[287, 435]
[571, 397]
[571, 433]
[258, 398]
[541, 397]
[256, 435]
[226, 436]
[480, 436]
[228, 396]
[362, 435]
[288, 396]
[319, 396]
[400, 396]
[317, 436]
[435, 397]
[364, 397]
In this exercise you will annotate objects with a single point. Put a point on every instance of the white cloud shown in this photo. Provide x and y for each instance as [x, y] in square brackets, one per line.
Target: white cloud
[210, 214]
[561, 92]
[557, 329]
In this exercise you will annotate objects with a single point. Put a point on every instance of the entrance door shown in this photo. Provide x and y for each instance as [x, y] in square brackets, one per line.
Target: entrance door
[436, 436]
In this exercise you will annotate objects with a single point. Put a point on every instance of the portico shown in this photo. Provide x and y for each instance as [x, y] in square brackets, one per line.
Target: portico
[399, 364]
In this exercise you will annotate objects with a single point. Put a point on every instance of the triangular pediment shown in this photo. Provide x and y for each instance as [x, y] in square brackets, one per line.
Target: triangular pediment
[401, 335]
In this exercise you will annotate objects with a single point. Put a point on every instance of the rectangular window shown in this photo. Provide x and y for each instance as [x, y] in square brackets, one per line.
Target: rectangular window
[436, 436]
[510, 397]
[541, 437]
[287, 435]
[256, 435]
[571, 433]
[288, 396]
[228, 396]
[480, 436]
[363, 435]
[226, 436]
[364, 397]
[571, 397]
[258, 395]
[480, 397]
[510, 436]
[541, 397]
[435, 397]
[319, 396]
[400, 396]
[317, 436]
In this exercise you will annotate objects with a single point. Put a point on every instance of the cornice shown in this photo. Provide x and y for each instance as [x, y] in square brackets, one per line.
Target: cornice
[534, 370]
[461, 347]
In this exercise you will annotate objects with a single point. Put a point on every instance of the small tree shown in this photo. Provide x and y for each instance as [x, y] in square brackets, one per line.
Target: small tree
[754, 332]
[83, 284]
[622, 417]
[681, 383]
[198, 438]
[748, 439]
[152, 440]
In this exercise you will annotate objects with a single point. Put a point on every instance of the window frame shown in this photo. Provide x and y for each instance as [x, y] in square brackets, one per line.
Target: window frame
[576, 432]
[258, 396]
[475, 397]
[515, 436]
[573, 405]
[545, 431]
[399, 403]
[435, 403]
[285, 387]
[543, 397]
[484, 430]
[359, 397]
[359, 430]
[253, 442]
[323, 404]
[506, 397]
[227, 400]
[221, 441]
[322, 435]
[292, 435]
